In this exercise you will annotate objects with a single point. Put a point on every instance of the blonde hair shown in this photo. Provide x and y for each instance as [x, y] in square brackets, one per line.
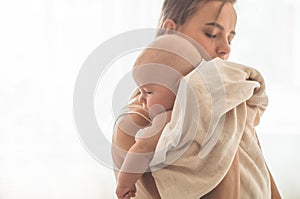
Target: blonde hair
[166, 61]
[172, 50]
[180, 10]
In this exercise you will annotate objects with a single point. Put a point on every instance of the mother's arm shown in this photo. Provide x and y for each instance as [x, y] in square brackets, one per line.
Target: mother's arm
[123, 140]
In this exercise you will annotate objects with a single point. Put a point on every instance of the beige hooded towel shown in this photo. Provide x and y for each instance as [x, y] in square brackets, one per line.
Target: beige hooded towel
[216, 108]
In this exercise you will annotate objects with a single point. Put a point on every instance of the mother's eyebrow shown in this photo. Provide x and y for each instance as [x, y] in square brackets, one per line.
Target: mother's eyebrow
[219, 26]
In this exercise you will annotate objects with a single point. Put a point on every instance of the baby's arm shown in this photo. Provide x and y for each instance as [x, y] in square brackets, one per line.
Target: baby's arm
[140, 154]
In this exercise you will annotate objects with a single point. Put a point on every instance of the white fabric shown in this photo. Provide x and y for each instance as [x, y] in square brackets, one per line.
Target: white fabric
[217, 106]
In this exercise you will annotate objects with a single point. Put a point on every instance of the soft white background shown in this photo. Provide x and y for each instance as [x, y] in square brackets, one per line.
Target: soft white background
[43, 44]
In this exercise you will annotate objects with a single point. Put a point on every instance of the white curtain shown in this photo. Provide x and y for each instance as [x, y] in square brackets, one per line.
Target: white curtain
[43, 44]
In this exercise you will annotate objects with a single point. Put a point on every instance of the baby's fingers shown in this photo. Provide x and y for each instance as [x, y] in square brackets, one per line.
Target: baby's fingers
[128, 195]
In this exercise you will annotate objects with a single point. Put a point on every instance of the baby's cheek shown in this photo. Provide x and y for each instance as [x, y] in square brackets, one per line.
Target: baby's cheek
[156, 109]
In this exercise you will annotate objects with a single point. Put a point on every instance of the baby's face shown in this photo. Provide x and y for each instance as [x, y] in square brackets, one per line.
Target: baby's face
[156, 98]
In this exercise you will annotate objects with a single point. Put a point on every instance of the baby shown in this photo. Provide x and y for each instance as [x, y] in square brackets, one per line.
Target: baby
[157, 72]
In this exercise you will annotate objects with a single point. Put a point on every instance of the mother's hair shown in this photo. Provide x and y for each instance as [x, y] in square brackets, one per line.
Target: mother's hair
[180, 10]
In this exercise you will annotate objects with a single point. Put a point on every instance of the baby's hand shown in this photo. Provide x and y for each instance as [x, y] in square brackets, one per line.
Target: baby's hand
[160, 120]
[125, 192]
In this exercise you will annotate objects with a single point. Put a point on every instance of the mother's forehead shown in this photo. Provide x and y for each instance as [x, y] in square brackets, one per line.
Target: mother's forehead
[217, 11]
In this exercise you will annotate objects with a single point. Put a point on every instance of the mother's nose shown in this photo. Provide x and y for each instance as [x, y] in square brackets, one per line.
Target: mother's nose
[223, 49]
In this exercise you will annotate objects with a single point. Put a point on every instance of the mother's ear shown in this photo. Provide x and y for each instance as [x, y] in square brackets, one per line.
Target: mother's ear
[169, 24]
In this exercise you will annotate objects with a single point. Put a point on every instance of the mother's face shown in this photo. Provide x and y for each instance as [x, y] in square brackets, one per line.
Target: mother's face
[214, 35]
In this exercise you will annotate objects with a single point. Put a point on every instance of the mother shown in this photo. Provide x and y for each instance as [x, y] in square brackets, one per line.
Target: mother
[212, 24]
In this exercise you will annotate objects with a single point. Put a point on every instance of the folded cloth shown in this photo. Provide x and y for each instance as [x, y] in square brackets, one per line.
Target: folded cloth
[215, 111]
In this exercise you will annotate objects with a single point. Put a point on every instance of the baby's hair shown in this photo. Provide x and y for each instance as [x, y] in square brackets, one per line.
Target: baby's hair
[165, 61]
[173, 51]
[164, 57]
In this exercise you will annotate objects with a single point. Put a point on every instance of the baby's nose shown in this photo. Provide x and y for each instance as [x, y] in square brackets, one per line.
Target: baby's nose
[141, 99]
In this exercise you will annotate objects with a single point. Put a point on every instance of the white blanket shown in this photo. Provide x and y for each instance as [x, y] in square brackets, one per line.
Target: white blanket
[216, 108]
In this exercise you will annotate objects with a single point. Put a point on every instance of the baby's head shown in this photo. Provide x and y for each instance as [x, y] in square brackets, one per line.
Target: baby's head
[159, 69]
